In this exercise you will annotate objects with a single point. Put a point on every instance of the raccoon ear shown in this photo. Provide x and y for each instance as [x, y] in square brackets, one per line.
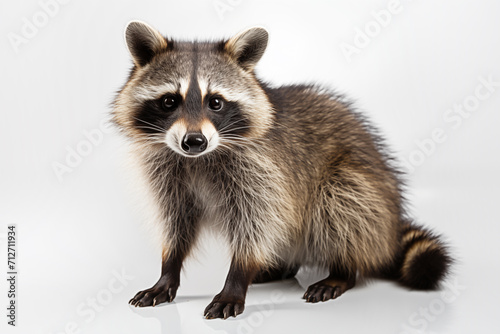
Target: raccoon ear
[143, 42]
[248, 47]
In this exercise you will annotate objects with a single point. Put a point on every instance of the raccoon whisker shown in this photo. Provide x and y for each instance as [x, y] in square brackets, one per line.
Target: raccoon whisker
[230, 124]
[154, 126]
[225, 150]
[152, 139]
[223, 145]
[152, 135]
[157, 127]
[149, 139]
[240, 141]
[226, 130]
[237, 137]
[230, 138]
[239, 128]
[149, 128]
[232, 135]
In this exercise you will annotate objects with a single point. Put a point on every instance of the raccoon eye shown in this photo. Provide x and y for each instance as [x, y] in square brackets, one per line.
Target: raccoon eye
[215, 103]
[169, 102]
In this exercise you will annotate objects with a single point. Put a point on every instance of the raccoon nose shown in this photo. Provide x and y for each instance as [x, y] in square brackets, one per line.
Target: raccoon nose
[194, 143]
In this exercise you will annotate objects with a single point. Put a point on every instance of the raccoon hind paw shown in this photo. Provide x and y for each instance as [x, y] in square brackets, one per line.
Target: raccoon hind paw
[327, 289]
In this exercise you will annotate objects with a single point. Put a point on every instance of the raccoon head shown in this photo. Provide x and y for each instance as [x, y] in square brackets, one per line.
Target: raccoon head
[193, 97]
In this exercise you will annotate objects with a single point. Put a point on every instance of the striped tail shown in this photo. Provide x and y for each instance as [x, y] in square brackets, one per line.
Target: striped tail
[424, 260]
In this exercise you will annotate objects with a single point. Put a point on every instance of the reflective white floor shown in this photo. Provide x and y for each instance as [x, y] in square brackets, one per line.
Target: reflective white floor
[79, 266]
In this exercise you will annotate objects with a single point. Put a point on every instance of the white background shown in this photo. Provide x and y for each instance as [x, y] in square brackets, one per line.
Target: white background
[77, 233]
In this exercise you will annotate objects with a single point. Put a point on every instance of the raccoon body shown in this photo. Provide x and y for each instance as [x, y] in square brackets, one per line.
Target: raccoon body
[290, 176]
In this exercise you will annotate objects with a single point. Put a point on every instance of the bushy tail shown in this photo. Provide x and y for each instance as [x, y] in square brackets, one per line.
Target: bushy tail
[424, 260]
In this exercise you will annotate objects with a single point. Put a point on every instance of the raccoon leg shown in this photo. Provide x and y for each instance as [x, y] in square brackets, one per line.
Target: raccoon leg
[183, 235]
[231, 300]
[166, 288]
[331, 287]
[275, 274]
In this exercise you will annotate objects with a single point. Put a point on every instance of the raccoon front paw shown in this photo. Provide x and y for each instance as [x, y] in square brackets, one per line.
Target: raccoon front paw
[224, 308]
[156, 295]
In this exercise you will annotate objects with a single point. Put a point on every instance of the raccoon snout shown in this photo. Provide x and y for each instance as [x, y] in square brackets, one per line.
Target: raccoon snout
[194, 143]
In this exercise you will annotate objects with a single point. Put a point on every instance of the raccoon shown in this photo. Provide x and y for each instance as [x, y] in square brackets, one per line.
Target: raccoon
[290, 176]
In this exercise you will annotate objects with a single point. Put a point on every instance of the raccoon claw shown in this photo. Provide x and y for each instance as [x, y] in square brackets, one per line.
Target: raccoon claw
[321, 293]
[153, 296]
[223, 309]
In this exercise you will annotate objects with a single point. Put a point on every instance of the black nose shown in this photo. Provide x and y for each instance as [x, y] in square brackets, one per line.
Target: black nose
[194, 143]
